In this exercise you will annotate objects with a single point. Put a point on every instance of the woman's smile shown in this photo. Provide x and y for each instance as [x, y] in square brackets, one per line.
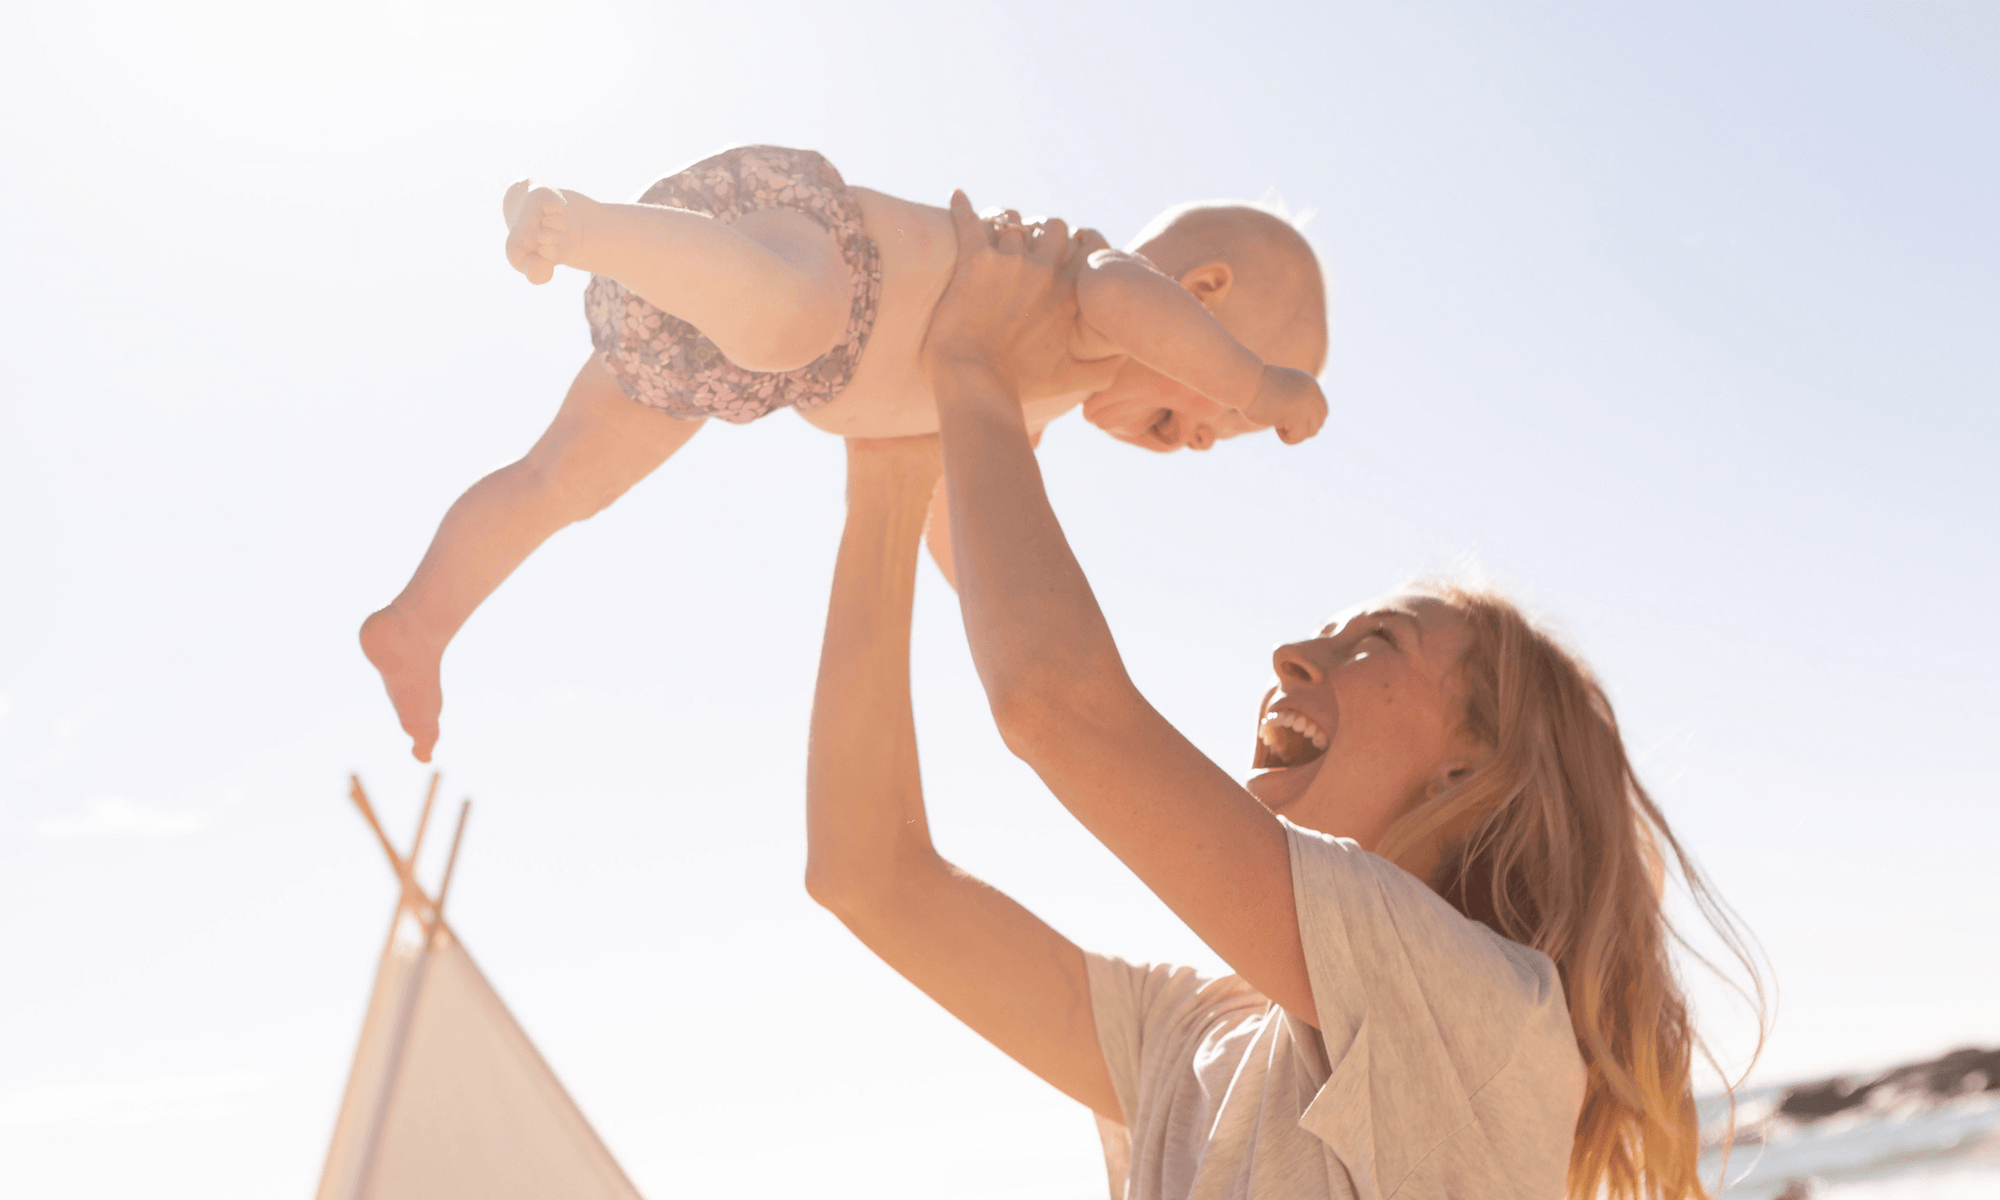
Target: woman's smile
[1291, 744]
[1289, 738]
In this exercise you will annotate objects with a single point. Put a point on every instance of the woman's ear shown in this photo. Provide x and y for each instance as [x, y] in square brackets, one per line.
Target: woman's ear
[1422, 859]
[1450, 771]
[1210, 282]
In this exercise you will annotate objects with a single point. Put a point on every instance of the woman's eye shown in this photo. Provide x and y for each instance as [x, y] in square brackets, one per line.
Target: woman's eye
[1382, 631]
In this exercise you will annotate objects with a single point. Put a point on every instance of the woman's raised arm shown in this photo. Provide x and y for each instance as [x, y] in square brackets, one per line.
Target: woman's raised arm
[1058, 689]
[990, 962]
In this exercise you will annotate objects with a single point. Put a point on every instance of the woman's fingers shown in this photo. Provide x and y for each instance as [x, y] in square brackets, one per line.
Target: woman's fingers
[1005, 229]
[1003, 219]
[966, 223]
[1051, 242]
[1012, 303]
[1076, 251]
[1089, 241]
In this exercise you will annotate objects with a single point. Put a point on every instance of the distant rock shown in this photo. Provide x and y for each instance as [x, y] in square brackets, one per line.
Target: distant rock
[1959, 1073]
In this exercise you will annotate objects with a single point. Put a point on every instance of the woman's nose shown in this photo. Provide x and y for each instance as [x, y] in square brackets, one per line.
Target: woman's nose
[1296, 664]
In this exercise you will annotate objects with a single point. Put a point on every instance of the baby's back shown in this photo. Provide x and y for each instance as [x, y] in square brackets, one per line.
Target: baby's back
[890, 395]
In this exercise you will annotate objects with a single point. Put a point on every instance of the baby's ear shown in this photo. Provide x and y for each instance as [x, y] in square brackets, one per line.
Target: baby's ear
[1210, 282]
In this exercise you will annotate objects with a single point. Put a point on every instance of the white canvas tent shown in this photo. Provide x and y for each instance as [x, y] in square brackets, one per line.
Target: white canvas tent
[448, 1097]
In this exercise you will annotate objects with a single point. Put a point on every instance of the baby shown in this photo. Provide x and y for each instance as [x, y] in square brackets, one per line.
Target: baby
[757, 280]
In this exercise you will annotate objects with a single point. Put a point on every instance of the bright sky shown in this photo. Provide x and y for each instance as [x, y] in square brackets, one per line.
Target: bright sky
[1677, 322]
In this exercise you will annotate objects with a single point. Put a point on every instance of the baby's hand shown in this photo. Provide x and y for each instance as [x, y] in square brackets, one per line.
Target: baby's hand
[1291, 402]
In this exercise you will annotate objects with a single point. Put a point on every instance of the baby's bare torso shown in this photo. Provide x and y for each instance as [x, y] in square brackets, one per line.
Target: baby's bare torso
[890, 394]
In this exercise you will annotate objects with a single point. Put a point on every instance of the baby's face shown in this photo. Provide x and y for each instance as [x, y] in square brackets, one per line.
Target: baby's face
[1147, 409]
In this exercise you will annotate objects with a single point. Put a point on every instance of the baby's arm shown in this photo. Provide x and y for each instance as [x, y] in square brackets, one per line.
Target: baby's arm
[1146, 314]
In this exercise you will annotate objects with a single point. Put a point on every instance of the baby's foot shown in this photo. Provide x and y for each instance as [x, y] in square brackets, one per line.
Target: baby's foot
[542, 229]
[1289, 401]
[409, 667]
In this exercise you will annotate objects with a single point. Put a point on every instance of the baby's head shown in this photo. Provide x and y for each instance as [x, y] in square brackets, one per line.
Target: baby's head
[1259, 276]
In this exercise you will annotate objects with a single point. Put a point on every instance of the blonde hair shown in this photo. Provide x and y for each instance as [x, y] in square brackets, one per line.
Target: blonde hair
[1552, 841]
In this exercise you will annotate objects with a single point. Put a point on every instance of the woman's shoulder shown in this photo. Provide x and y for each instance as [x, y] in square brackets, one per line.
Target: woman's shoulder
[1435, 1025]
[1376, 935]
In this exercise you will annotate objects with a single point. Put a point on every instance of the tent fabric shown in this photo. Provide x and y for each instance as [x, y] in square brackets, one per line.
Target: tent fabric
[364, 1081]
[448, 1097]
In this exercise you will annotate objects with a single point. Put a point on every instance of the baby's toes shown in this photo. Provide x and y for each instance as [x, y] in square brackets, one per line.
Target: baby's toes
[551, 235]
[510, 200]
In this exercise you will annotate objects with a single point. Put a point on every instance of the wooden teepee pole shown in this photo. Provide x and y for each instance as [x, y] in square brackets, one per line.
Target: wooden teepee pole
[413, 894]
[424, 820]
[450, 863]
[430, 916]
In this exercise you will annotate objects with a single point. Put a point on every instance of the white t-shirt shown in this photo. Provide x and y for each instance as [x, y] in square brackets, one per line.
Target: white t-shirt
[1445, 1065]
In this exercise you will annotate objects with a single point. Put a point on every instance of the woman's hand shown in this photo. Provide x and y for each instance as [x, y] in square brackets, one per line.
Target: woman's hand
[1010, 309]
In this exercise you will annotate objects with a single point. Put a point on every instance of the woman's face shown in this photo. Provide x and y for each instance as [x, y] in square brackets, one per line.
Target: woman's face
[1365, 719]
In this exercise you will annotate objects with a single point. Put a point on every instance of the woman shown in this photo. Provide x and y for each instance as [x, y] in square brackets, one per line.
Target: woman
[1440, 895]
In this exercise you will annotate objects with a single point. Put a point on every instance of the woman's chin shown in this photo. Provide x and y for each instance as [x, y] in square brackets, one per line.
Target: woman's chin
[1279, 787]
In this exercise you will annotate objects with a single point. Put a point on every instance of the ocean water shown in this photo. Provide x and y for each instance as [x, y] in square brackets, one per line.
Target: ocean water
[1945, 1150]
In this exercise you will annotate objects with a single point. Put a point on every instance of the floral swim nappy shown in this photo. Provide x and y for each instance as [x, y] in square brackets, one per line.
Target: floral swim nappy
[665, 363]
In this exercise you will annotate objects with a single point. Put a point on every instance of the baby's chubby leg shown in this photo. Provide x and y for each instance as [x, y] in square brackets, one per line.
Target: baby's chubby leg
[770, 290]
[598, 446]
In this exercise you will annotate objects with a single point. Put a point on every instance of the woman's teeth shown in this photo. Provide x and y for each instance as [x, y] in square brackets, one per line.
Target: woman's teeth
[1298, 723]
[1292, 738]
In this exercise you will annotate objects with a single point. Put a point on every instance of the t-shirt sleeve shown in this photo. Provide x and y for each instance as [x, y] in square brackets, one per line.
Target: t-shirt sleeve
[1147, 1018]
[1138, 1008]
[1418, 1008]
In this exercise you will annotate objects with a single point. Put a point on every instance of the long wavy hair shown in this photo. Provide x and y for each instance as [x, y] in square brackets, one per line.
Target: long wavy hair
[1552, 841]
